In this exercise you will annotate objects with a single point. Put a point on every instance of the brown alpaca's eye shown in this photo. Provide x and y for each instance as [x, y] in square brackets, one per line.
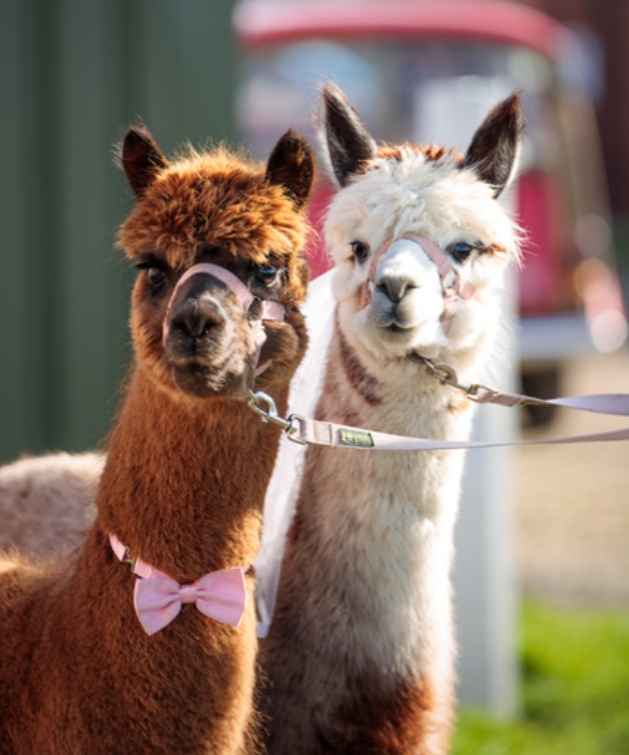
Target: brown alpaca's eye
[360, 250]
[155, 276]
[155, 268]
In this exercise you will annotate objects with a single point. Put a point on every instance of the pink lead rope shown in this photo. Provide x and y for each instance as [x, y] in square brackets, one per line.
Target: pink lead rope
[307, 431]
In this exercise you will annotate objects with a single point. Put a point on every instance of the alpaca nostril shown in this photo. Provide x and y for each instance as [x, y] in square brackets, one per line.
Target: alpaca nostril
[197, 319]
[394, 288]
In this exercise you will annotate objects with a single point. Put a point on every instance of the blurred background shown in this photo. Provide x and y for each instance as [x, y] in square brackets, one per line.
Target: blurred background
[75, 73]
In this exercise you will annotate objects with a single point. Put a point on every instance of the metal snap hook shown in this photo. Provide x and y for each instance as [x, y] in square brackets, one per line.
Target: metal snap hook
[261, 403]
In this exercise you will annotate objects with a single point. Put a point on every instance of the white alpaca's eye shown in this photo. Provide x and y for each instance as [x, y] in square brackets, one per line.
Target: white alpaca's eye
[460, 251]
[360, 250]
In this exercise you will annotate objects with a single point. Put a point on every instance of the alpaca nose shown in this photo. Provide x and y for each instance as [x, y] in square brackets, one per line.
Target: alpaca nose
[394, 287]
[197, 316]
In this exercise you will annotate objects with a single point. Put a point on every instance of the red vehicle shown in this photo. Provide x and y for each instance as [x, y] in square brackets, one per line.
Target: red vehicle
[427, 71]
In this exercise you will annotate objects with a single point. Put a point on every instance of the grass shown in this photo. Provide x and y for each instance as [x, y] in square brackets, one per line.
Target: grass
[575, 689]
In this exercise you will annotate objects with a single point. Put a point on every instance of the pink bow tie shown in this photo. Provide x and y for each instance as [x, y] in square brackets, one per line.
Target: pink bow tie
[158, 598]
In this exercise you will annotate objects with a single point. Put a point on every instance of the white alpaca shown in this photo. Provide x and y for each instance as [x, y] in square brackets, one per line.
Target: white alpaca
[360, 654]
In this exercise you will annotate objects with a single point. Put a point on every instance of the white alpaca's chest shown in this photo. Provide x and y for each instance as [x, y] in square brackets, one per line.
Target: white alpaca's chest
[385, 534]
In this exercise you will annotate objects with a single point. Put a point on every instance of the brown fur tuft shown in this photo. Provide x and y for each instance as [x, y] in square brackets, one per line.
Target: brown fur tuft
[431, 152]
[391, 723]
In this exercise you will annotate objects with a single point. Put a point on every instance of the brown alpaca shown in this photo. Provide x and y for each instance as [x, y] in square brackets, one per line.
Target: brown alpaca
[185, 478]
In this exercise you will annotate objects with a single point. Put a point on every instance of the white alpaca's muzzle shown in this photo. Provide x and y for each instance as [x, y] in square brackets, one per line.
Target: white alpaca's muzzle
[452, 286]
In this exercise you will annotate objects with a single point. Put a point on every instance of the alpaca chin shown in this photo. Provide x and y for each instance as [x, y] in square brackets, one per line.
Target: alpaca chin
[215, 366]
[204, 381]
[387, 342]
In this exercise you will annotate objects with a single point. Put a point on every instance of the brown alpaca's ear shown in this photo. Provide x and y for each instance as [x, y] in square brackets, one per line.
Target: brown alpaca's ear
[141, 159]
[292, 166]
[345, 138]
[494, 148]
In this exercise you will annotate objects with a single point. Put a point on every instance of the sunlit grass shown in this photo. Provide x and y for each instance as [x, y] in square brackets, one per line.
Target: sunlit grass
[575, 692]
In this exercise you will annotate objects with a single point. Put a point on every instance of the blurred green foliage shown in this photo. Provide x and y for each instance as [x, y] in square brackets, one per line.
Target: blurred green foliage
[575, 696]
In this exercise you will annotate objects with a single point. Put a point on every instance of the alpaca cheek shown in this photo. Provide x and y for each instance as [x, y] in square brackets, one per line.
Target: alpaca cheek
[283, 350]
[472, 323]
[347, 281]
[145, 335]
[146, 320]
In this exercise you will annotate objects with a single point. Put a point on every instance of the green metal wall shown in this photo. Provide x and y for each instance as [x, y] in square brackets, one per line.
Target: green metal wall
[73, 75]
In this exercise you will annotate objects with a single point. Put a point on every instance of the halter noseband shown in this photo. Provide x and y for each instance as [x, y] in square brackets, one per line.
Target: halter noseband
[451, 283]
[269, 310]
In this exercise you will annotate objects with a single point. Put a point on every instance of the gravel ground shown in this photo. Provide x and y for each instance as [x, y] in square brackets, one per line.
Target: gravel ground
[573, 501]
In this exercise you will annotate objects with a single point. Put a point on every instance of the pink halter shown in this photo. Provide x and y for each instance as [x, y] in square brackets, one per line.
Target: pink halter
[451, 283]
[269, 310]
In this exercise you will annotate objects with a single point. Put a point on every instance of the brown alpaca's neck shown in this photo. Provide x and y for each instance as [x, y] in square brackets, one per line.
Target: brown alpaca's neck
[184, 483]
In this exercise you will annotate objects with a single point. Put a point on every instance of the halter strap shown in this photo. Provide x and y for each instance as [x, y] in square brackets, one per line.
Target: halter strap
[451, 283]
[269, 310]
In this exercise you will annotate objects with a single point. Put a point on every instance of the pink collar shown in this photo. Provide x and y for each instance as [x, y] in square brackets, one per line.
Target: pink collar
[157, 598]
[451, 283]
[269, 310]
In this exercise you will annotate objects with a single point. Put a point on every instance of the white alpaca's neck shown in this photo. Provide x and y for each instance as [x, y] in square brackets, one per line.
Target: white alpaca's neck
[391, 514]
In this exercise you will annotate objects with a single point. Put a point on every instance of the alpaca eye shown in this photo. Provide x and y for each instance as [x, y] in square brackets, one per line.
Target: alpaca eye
[155, 269]
[267, 275]
[156, 276]
[360, 250]
[460, 251]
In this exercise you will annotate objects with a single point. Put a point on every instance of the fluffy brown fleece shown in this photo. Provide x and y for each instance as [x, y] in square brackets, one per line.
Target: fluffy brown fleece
[185, 478]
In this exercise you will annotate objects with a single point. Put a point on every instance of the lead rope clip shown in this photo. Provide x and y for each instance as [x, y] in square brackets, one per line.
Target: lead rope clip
[263, 405]
[446, 375]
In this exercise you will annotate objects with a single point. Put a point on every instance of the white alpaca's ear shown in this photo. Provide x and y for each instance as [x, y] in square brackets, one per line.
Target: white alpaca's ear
[141, 158]
[494, 149]
[292, 166]
[346, 143]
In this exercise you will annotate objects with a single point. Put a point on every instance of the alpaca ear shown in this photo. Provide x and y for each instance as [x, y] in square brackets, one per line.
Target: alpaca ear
[494, 148]
[292, 166]
[141, 159]
[345, 137]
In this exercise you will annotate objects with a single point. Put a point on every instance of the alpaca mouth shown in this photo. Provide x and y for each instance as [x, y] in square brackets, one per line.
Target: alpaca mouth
[216, 362]
[398, 339]
[395, 330]
[205, 381]
[395, 327]
[206, 370]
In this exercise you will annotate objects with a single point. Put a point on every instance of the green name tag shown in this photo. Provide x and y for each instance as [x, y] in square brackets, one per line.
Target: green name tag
[355, 438]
